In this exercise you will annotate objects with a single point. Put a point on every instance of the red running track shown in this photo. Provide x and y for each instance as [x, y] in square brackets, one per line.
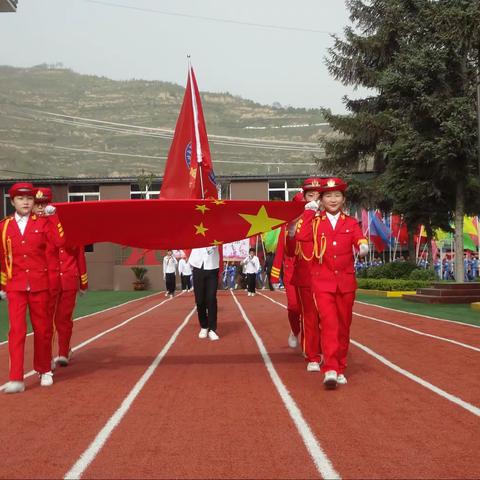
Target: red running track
[211, 409]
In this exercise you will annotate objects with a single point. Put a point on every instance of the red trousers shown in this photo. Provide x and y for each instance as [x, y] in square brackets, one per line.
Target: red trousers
[63, 319]
[293, 309]
[42, 324]
[335, 310]
[311, 325]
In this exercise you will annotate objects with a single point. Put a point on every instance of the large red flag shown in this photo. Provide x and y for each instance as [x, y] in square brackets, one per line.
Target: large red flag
[169, 224]
[189, 169]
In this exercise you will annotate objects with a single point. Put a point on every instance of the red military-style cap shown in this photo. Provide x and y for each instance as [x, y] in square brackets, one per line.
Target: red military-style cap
[43, 195]
[21, 189]
[312, 183]
[333, 184]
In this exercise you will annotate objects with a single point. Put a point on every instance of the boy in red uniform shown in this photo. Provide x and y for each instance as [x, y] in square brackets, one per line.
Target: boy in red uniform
[24, 277]
[67, 271]
[301, 280]
[335, 235]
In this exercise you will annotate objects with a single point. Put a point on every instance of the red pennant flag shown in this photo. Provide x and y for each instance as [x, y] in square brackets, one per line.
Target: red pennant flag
[189, 169]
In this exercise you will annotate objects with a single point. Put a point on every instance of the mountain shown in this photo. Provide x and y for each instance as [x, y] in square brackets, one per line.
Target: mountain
[58, 123]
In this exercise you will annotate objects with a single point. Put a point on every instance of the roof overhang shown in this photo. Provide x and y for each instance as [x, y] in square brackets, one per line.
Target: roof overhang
[8, 5]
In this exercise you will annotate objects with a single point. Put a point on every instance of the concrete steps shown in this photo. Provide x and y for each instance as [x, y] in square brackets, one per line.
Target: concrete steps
[447, 293]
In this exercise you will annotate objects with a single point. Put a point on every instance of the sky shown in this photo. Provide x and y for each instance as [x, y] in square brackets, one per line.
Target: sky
[231, 45]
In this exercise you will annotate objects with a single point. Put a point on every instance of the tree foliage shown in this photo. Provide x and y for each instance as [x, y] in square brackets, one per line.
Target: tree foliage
[418, 128]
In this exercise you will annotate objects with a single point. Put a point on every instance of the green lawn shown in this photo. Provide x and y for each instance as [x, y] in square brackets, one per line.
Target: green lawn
[89, 303]
[460, 313]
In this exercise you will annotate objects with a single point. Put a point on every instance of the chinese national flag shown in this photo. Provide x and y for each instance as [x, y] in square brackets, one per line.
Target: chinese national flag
[189, 169]
[169, 224]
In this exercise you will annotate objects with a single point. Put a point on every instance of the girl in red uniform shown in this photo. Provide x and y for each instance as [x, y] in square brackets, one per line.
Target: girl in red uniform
[24, 277]
[335, 236]
[67, 271]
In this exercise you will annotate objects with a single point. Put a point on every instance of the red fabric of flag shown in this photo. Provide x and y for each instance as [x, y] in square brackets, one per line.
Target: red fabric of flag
[171, 224]
[189, 152]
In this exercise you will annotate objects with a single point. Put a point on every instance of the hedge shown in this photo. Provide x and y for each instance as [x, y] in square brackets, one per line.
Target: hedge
[391, 284]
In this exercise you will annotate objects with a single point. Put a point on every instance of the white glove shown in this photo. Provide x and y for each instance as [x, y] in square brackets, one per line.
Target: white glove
[50, 210]
[3, 295]
[82, 292]
[313, 205]
[363, 249]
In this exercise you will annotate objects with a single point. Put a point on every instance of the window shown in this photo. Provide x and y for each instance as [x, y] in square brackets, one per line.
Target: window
[7, 205]
[83, 193]
[282, 190]
[147, 192]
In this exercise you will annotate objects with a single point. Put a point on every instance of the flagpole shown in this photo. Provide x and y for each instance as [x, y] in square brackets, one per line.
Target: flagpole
[195, 122]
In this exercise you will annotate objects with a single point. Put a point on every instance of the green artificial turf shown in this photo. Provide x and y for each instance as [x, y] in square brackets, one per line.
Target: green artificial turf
[460, 312]
[89, 303]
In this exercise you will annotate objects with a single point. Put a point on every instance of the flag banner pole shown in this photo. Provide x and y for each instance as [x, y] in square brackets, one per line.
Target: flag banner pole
[197, 133]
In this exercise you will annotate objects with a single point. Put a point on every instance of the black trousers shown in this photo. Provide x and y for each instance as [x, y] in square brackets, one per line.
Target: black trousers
[170, 282]
[186, 283]
[205, 284]
[251, 282]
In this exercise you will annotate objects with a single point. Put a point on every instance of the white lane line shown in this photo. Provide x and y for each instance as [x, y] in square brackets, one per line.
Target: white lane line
[94, 448]
[90, 340]
[100, 311]
[418, 332]
[452, 398]
[322, 462]
[448, 396]
[418, 314]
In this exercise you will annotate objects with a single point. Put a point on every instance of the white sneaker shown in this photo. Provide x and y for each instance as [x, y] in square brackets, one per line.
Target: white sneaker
[166, 294]
[14, 387]
[185, 290]
[292, 340]
[253, 294]
[330, 379]
[313, 367]
[341, 379]
[46, 379]
[203, 333]
[191, 290]
[213, 335]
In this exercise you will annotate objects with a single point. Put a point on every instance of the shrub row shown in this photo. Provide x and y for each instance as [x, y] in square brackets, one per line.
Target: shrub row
[397, 270]
[397, 284]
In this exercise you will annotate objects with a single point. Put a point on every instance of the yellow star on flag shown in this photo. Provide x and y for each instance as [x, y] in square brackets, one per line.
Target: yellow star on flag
[216, 243]
[261, 222]
[218, 202]
[201, 208]
[200, 229]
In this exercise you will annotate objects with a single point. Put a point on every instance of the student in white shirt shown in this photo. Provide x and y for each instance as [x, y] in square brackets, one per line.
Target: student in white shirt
[169, 270]
[205, 263]
[185, 272]
[252, 265]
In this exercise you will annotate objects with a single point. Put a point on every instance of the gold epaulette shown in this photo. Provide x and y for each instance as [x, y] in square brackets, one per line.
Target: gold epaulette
[60, 229]
[362, 241]
[84, 279]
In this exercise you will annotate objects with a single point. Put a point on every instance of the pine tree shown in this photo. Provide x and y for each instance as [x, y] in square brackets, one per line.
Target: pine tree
[418, 128]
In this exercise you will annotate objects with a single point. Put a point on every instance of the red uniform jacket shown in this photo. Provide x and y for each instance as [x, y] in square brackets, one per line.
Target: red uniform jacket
[73, 268]
[303, 253]
[23, 258]
[333, 265]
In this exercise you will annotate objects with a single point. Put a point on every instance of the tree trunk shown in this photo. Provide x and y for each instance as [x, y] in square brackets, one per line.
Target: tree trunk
[458, 236]
[431, 260]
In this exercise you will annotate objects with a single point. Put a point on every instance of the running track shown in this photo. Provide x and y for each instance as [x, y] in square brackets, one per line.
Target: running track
[145, 398]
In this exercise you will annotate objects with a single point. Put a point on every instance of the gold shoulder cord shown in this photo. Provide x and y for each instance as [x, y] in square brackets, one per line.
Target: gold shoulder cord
[299, 251]
[7, 248]
[318, 251]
